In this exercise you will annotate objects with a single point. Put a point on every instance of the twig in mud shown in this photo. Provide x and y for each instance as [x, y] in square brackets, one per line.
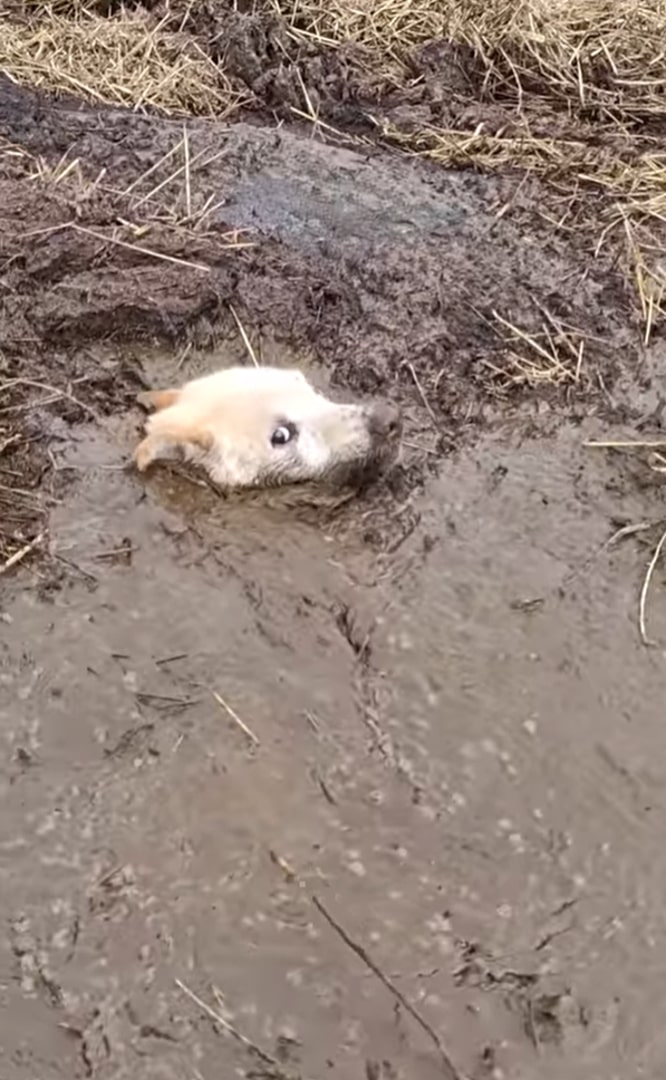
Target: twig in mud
[546, 366]
[645, 589]
[153, 168]
[194, 159]
[312, 115]
[172, 659]
[450, 1071]
[324, 788]
[163, 702]
[55, 395]
[11, 440]
[561, 328]
[246, 341]
[43, 232]
[24, 494]
[236, 718]
[214, 1015]
[312, 720]
[287, 870]
[657, 462]
[112, 553]
[626, 444]
[421, 449]
[523, 336]
[208, 208]
[627, 530]
[138, 247]
[426, 403]
[21, 554]
[620, 534]
[579, 361]
[188, 184]
[85, 574]
[344, 136]
[183, 356]
[164, 183]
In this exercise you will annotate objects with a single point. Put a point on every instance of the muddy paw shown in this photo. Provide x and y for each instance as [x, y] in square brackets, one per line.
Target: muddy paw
[157, 399]
[144, 455]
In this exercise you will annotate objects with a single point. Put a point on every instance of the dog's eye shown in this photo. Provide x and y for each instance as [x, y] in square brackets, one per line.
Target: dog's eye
[283, 434]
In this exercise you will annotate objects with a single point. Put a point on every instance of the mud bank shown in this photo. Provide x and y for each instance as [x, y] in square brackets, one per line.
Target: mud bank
[368, 260]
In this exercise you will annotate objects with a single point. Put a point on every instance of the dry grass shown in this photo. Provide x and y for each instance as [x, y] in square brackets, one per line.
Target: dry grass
[22, 516]
[603, 53]
[118, 61]
[628, 193]
[554, 356]
[597, 64]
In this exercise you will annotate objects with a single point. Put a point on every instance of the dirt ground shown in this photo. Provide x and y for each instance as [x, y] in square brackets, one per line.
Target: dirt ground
[299, 790]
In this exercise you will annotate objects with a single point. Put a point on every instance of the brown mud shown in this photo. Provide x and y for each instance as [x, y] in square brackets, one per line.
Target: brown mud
[309, 767]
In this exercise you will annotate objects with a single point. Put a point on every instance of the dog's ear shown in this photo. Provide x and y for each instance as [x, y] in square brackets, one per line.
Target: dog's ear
[167, 440]
[158, 399]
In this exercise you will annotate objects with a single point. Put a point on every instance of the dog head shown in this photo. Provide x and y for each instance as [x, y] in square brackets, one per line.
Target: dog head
[262, 426]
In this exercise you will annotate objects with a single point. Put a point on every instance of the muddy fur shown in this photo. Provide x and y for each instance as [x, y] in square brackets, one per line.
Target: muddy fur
[265, 427]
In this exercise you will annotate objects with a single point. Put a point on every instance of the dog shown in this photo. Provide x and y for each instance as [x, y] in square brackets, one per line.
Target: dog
[265, 426]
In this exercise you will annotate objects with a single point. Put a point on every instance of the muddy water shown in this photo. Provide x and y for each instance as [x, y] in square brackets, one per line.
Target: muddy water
[457, 748]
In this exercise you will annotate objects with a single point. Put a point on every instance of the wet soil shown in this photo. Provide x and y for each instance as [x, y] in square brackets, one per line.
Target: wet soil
[383, 789]
[453, 747]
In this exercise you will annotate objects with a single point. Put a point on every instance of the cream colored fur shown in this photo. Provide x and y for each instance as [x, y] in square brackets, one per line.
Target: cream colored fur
[249, 426]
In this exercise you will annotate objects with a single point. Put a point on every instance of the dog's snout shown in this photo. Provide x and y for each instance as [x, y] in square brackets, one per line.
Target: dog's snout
[384, 420]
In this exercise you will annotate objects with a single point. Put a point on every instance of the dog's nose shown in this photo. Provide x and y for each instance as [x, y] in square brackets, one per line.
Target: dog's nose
[384, 420]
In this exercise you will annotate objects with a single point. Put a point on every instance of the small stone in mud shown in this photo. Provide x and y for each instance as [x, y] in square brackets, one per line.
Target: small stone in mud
[357, 867]
[528, 605]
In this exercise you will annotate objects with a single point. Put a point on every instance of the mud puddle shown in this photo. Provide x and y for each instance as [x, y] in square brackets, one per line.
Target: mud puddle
[447, 292]
[455, 748]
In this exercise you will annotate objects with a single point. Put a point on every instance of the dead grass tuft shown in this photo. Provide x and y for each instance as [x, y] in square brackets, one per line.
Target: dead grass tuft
[553, 356]
[628, 193]
[22, 517]
[601, 63]
[120, 60]
[606, 54]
